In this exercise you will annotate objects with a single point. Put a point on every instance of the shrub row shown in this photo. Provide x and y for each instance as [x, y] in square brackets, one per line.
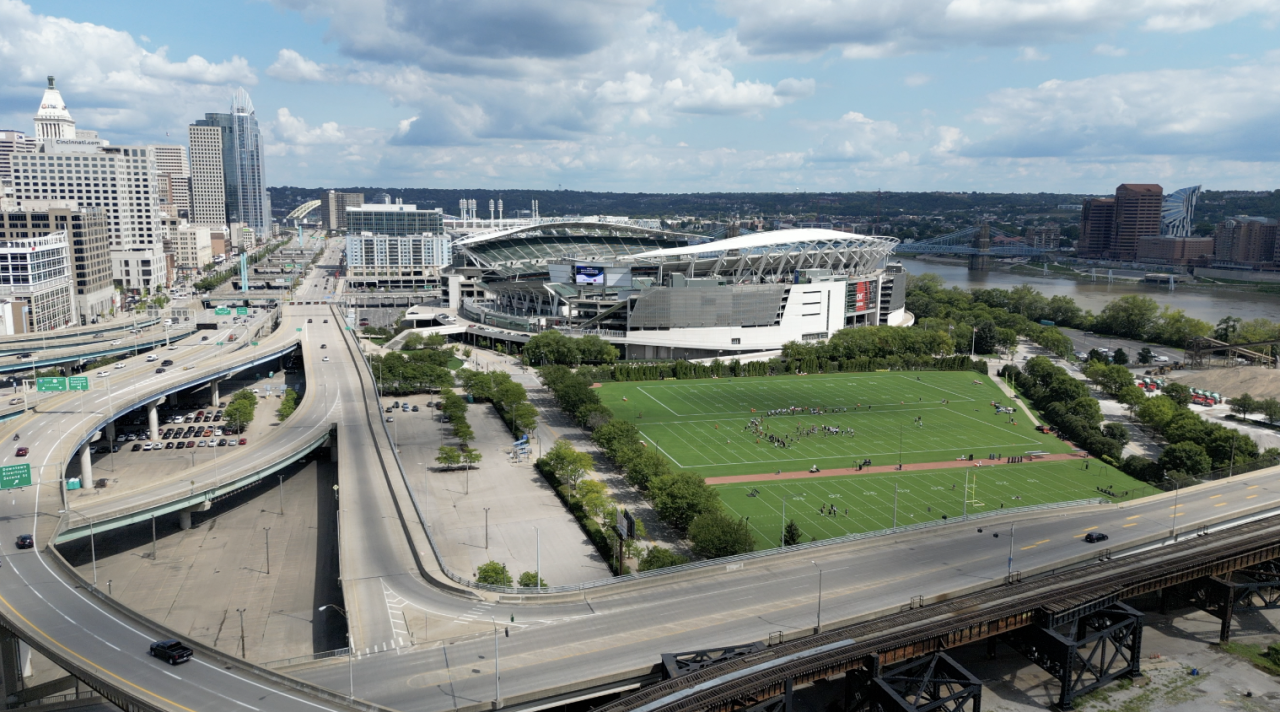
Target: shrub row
[1065, 403]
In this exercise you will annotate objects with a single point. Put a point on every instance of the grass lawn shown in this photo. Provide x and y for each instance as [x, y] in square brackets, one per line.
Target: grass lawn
[701, 425]
[923, 495]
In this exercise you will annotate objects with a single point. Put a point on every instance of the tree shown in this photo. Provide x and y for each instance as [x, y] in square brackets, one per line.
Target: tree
[1270, 409]
[680, 497]
[493, 573]
[659, 558]
[530, 579]
[414, 342]
[1111, 379]
[647, 465]
[1131, 316]
[1132, 396]
[1098, 356]
[715, 534]
[1178, 393]
[1157, 411]
[791, 534]
[239, 412]
[594, 497]
[1145, 356]
[1244, 404]
[567, 464]
[1120, 358]
[1116, 431]
[524, 418]
[1227, 328]
[436, 341]
[986, 338]
[1186, 457]
[471, 456]
[288, 404]
[449, 457]
[462, 431]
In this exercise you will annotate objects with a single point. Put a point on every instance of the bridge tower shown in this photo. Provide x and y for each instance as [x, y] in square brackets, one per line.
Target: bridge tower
[980, 261]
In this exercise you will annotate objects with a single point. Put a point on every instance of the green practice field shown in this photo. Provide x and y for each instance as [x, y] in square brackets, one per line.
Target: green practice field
[922, 496]
[701, 425]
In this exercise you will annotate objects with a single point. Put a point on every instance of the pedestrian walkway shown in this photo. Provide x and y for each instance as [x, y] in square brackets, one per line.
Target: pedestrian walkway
[916, 466]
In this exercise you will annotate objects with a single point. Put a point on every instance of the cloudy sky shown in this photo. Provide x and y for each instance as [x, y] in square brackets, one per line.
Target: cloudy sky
[700, 95]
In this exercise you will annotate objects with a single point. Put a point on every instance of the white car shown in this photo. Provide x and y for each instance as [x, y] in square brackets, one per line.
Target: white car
[153, 357]
[103, 374]
[325, 359]
[122, 364]
[1161, 359]
[173, 348]
[116, 342]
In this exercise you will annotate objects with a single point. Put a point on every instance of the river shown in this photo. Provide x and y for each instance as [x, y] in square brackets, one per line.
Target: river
[1201, 304]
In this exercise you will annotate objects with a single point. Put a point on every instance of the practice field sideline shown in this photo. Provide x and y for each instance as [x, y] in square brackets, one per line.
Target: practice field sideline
[831, 507]
[926, 416]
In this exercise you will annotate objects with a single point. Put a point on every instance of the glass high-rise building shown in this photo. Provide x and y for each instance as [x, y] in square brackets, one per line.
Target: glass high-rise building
[227, 151]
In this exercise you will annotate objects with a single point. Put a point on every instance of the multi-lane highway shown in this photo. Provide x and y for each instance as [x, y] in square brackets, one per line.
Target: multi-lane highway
[614, 631]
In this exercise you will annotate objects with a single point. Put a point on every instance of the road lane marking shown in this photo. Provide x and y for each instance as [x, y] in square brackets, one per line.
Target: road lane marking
[1178, 505]
[1134, 524]
[1251, 496]
[1136, 516]
[1028, 547]
[1252, 487]
[1078, 536]
[1042, 541]
[1220, 504]
[1215, 496]
[1090, 529]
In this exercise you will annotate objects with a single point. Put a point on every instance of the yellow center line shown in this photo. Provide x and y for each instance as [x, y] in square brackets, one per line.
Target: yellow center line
[1132, 524]
[86, 661]
[1179, 514]
[1133, 517]
[1252, 487]
[1178, 505]
[1090, 529]
[1028, 547]
[1077, 536]
[1251, 496]
[1220, 504]
[1215, 496]
[1042, 541]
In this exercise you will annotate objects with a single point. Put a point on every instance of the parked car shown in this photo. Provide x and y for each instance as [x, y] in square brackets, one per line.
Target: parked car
[1161, 359]
[136, 447]
[180, 446]
[171, 651]
[244, 441]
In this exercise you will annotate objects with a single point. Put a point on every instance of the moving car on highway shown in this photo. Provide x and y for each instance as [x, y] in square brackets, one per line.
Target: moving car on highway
[171, 651]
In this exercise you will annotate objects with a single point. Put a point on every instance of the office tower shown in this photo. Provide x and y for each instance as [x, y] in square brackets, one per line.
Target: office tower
[227, 170]
[397, 220]
[1177, 215]
[1097, 223]
[53, 121]
[1138, 210]
[35, 273]
[336, 208]
[90, 248]
[173, 179]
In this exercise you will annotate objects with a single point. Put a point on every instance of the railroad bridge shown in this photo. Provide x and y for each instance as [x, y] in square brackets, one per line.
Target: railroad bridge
[1075, 624]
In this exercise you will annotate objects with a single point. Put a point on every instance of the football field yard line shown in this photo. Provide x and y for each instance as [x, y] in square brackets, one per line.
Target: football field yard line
[655, 400]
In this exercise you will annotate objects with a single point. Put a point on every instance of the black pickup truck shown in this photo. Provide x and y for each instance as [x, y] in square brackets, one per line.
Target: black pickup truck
[171, 651]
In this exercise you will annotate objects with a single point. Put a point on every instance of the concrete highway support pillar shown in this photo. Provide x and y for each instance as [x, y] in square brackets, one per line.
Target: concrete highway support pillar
[110, 432]
[184, 516]
[153, 418]
[213, 393]
[86, 463]
[10, 663]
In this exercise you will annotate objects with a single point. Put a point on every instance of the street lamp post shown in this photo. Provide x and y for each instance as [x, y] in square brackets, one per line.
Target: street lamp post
[537, 570]
[267, 531]
[351, 676]
[486, 528]
[243, 655]
[819, 568]
[93, 551]
[497, 675]
[1173, 518]
[1010, 571]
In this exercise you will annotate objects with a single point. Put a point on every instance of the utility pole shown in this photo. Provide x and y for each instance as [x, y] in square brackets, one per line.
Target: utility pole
[486, 528]
[267, 531]
[281, 476]
[497, 675]
[243, 654]
[895, 505]
[819, 568]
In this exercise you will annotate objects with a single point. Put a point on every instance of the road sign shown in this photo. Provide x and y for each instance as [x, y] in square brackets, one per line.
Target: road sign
[298, 329]
[242, 311]
[15, 476]
[78, 383]
[222, 311]
[55, 383]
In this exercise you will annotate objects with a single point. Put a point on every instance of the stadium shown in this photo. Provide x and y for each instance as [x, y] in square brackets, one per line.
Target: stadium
[660, 294]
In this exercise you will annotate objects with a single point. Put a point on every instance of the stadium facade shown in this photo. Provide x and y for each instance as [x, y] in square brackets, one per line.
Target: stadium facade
[661, 294]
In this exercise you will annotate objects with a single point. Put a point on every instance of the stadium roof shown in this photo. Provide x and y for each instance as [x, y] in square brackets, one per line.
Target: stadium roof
[801, 238]
[586, 222]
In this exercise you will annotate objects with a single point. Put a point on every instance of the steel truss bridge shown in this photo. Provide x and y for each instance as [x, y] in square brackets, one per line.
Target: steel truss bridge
[961, 242]
[1073, 624]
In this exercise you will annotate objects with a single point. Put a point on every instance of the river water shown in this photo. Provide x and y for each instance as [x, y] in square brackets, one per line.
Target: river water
[1201, 304]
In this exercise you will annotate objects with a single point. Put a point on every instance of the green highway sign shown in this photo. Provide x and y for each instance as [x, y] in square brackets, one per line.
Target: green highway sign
[298, 329]
[78, 383]
[15, 476]
[55, 383]
[242, 311]
[222, 311]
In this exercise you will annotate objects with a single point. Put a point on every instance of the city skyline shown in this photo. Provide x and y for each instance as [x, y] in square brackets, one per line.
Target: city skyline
[701, 97]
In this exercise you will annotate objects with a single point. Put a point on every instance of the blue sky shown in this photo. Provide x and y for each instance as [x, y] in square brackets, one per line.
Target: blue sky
[634, 95]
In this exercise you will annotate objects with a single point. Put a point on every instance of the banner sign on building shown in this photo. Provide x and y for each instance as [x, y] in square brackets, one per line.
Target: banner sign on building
[588, 274]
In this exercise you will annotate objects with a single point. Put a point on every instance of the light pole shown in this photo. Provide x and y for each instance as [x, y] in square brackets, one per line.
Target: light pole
[895, 505]
[486, 528]
[1173, 518]
[1010, 571]
[784, 521]
[819, 568]
[497, 675]
[537, 570]
[281, 490]
[267, 531]
[973, 341]
[351, 676]
[243, 655]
